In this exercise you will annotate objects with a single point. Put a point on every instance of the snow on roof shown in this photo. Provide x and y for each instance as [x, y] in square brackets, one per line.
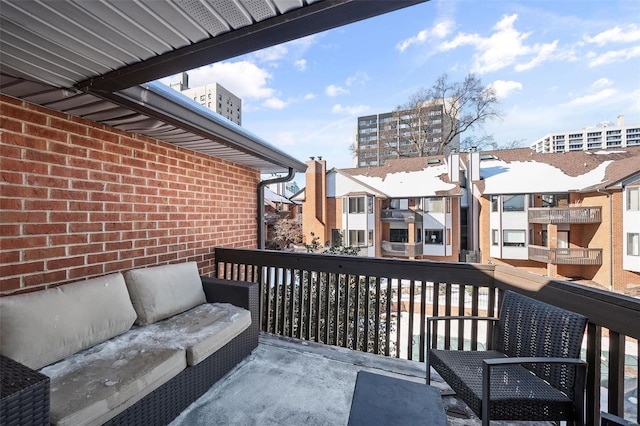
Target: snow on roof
[276, 198]
[518, 177]
[420, 183]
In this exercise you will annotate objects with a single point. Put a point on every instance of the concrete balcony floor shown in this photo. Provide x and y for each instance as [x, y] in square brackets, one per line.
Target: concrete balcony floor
[291, 382]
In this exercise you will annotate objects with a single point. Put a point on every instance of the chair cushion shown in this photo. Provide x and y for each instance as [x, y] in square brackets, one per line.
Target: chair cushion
[163, 291]
[99, 383]
[45, 326]
[202, 330]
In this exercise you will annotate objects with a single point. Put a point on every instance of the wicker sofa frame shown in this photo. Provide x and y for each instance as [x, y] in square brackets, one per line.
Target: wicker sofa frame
[165, 403]
[531, 370]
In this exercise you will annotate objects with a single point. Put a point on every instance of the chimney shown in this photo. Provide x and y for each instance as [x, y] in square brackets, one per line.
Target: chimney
[620, 120]
[453, 166]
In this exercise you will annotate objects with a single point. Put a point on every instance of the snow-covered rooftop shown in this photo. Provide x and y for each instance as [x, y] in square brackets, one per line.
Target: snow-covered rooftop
[519, 177]
[427, 182]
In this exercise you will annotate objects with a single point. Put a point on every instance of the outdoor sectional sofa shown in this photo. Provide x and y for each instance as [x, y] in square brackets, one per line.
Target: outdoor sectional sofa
[122, 349]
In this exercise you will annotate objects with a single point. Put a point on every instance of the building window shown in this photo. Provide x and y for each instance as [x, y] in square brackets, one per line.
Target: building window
[513, 238]
[370, 237]
[633, 244]
[494, 203]
[495, 237]
[633, 198]
[370, 205]
[399, 235]
[434, 205]
[356, 238]
[513, 203]
[433, 236]
[356, 205]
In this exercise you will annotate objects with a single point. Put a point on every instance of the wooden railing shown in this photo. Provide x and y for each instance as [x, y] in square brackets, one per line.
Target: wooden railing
[565, 214]
[566, 256]
[380, 305]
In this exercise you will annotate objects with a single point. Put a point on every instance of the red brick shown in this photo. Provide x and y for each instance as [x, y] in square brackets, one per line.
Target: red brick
[122, 265]
[105, 236]
[85, 206]
[86, 227]
[7, 217]
[104, 177]
[10, 178]
[43, 253]
[9, 230]
[16, 165]
[45, 205]
[145, 261]
[118, 226]
[102, 257]
[63, 171]
[66, 262]
[88, 185]
[101, 135]
[118, 207]
[67, 126]
[67, 150]
[21, 268]
[118, 245]
[46, 181]
[131, 254]
[105, 196]
[63, 216]
[104, 217]
[8, 285]
[23, 114]
[86, 271]
[68, 239]
[68, 194]
[44, 228]
[105, 157]
[86, 142]
[85, 249]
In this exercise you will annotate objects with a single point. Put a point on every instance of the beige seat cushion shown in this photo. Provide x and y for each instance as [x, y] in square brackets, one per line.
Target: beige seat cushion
[95, 385]
[202, 330]
[163, 291]
[45, 326]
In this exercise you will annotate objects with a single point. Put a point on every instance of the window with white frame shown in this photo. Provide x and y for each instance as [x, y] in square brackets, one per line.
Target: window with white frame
[434, 236]
[356, 205]
[513, 203]
[495, 237]
[633, 198]
[494, 203]
[633, 244]
[357, 238]
[513, 237]
[434, 205]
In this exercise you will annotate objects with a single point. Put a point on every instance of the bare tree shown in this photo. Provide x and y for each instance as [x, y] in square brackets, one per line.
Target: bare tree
[434, 119]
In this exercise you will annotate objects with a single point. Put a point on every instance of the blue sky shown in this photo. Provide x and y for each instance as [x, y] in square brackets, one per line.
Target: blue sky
[556, 65]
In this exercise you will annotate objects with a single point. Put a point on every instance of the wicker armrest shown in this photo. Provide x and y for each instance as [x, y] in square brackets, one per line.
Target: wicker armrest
[24, 394]
[237, 293]
[487, 364]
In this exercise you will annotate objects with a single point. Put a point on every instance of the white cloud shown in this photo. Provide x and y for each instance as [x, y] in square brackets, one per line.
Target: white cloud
[300, 64]
[332, 90]
[284, 138]
[271, 54]
[592, 99]
[545, 51]
[349, 110]
[505, 88]
[504, 48]
[439, 31]
[243, 78]
[359, 78]
[309, 96]
[275, 103]
[602, 82]
[613, 56]
[628, 34]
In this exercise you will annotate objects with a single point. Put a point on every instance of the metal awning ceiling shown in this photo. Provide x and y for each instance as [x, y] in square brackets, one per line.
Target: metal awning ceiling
[93, 58]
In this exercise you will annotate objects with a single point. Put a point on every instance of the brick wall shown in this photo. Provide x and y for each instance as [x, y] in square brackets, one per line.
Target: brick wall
[79, 199]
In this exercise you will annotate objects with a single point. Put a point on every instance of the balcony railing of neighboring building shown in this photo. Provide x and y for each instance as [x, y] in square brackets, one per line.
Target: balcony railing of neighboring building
[379, 305]
[396, 215]
[565, 215]
[566, 256]
[389, 248]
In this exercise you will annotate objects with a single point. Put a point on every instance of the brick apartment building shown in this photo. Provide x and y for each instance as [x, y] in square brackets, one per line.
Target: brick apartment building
[569, 215]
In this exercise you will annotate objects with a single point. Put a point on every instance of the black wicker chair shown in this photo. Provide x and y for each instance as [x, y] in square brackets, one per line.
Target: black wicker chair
[530, 372]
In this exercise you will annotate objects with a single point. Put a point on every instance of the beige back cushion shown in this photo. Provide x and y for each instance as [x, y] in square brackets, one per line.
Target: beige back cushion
[163, 291]
[46, 326]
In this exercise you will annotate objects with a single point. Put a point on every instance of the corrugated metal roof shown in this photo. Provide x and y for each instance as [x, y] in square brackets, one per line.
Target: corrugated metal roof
[91, 58]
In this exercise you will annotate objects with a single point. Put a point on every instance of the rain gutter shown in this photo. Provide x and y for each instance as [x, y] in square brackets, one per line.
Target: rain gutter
[261, 186]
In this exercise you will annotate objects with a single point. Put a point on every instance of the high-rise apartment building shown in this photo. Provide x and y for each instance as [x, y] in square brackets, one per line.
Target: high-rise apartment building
[386, 136]
[213, 96]
[604, 136]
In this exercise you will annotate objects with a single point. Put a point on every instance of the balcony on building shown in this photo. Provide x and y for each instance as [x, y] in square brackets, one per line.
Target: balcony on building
[571, 215]
[566, 255]
[398, 215]
[402, 249]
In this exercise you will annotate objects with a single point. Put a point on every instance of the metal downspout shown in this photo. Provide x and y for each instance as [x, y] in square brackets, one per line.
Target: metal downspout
[261, 186]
